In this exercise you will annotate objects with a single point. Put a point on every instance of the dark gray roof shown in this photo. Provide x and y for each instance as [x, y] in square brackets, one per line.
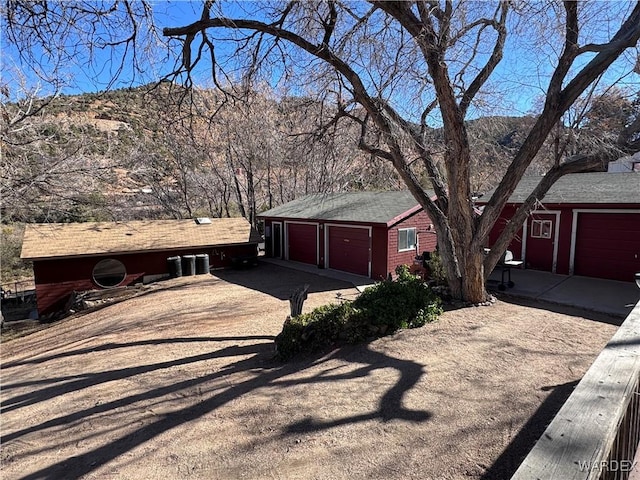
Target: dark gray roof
[576, 188]
[368, 207]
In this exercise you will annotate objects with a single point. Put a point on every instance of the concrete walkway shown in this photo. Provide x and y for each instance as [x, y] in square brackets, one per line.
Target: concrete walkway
[604, 296]
[358, 281]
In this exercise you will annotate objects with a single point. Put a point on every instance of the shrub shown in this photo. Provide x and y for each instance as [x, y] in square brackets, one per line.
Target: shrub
[406, 302]
[436, 269]
[321, 328]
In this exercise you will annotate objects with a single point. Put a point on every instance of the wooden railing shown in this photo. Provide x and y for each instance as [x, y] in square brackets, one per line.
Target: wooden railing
[596, 433]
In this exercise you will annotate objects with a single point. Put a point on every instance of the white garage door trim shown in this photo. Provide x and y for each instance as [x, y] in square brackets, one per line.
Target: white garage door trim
[574, 228]
[286, 237]
[327, 226]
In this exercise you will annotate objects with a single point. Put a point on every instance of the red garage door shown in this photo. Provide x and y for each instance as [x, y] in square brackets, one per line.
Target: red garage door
[349, 249]
[608, 245]
[302, 242]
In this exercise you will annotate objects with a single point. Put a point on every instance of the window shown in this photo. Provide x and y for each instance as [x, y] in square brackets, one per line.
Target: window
[109, 273]
[406, 239]
[540, 228]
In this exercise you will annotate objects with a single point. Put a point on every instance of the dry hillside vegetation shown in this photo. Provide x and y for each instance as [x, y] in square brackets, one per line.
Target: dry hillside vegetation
[160, 152]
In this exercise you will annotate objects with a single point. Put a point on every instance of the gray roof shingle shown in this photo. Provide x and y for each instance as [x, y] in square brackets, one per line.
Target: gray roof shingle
[366, 207]
[577, 188]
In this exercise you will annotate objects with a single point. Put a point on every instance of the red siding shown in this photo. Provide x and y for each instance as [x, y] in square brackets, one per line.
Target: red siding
[384, 242]
[56, 279]
[516, 244]
[607, 257]
[426, 240]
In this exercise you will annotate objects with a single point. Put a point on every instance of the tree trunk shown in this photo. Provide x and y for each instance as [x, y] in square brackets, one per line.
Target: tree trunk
[464, 267]
[473, 281]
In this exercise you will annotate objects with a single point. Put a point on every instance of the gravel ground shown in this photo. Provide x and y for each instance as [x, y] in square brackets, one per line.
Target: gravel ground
[180, 383]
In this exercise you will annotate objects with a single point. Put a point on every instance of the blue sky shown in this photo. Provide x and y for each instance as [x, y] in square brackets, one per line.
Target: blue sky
[519, 80]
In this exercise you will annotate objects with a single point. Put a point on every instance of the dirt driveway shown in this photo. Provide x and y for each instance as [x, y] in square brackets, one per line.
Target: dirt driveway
[179, 383]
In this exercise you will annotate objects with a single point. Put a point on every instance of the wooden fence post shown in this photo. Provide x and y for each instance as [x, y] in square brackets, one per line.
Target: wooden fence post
[297, 298]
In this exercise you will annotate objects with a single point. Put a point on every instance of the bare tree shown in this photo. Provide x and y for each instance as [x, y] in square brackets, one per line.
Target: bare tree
[99, 43]
[395, 69]
[50, 172]
[398, 59]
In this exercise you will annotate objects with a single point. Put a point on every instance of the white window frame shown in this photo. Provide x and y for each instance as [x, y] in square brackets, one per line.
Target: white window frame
[541, 229]
[415, 239]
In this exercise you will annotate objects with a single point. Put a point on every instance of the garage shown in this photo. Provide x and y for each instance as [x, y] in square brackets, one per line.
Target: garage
[607, 245]
[302, 242]
[354, 232]
[349, 249]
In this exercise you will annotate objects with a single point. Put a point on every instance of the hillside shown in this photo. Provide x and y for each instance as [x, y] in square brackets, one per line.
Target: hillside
[161, 152]
[155, 152]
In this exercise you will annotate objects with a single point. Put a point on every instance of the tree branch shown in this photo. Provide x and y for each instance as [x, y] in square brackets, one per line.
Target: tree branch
[557, 103]
[494, 60]
[577, 164]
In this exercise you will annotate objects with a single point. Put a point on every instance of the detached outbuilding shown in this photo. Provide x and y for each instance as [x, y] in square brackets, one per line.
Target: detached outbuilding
[588, 224]
[70, 257]
[364, 233]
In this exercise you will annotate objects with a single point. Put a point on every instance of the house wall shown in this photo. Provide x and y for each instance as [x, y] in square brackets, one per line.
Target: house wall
[56, 279]
[426, 240]
[379, 252]
[522, 247]
[384, 242]
[516, 244]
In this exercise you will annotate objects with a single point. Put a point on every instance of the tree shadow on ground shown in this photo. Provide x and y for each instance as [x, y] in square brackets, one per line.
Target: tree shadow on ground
[390, 405]
[257, 360]
[562, 309]
[511, 458]
[279, 282]
[115, 346]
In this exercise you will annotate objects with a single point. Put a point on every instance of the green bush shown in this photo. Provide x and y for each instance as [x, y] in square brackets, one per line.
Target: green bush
[436, 269]
[406, 302]
[321, 328]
